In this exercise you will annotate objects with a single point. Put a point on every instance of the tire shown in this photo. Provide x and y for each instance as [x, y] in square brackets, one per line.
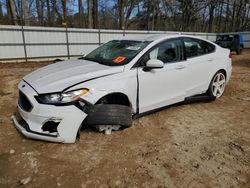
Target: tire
[217, 85]
[109, 114]
[239, 50]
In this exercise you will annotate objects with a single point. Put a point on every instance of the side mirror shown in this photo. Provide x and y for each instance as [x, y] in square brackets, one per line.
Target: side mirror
[153, 64]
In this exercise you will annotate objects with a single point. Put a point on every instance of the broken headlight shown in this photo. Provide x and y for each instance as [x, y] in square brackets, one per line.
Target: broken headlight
[61, 98]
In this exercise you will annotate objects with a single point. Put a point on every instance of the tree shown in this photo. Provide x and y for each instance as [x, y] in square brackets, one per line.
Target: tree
[80, 13]
[1, 10]
[212, 5]
[48, 12]
[95, 14]
[125, 8]
[176, 15]
[64, 8]
[12, 12]
[90, 14]
[26, 16]
[40, 10]
[56, 17]
[121, 13]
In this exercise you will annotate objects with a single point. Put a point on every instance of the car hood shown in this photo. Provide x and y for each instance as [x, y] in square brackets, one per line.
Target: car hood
[62, 75]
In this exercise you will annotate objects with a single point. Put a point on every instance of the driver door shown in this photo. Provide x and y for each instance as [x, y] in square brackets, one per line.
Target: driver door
[167, 85]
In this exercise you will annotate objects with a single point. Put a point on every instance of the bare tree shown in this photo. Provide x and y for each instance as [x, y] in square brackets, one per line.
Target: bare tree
[1, 10]
[80, 13]
[95, 14]
[56, 17]
[90, 13]
[12, 11]
[131, 5]
[64, 8]
[125, 8]
[233, 16]
[40, 10]
[26, 16]
[245, 19]
[212, 5]
[184, 15]
[121, 4]
[221, 5]
[48, 12]
[19, 9]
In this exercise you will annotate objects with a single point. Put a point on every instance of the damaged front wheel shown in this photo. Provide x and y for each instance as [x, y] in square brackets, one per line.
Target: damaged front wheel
[108, 117]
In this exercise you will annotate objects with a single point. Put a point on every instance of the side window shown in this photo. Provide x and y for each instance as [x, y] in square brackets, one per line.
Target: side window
[168, 51]
[196, 47]
[236, 36]
[210, 47]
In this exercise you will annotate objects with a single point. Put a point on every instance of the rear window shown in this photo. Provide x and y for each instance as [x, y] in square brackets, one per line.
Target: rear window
[197, 47]
[226, 37]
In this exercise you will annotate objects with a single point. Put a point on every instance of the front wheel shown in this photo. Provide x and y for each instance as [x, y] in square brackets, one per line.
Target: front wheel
[217, 85]
[108, 117]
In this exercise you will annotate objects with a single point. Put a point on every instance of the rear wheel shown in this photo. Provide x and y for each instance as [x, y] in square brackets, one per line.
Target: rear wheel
[239, 50]
[217, 85]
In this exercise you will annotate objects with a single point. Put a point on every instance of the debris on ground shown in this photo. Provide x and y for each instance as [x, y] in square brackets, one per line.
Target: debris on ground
[237, 146]
[25, 180]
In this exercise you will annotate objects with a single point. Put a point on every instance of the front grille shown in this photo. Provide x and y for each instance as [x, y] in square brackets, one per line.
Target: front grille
[24, 102]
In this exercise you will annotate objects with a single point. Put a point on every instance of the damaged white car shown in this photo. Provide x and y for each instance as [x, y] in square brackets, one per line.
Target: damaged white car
[116, 82]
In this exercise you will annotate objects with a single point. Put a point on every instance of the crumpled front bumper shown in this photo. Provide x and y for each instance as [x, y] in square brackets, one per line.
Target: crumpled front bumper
[31, 123]
[36, 136]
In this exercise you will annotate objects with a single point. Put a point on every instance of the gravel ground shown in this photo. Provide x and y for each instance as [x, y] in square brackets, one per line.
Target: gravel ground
[193, 145]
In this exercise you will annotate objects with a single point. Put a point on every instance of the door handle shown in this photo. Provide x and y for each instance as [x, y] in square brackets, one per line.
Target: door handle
[180, 67]
[210, 59]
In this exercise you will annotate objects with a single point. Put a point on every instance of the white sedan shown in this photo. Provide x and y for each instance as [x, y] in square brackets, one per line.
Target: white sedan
[118, 81]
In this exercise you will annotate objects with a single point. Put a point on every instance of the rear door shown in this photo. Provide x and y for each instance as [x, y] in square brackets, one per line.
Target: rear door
[200, 60]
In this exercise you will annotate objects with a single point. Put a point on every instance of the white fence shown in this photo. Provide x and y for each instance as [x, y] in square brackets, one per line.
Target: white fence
[26, 43]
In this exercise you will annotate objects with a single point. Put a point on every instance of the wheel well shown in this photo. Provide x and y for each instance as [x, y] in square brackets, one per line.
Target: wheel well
[223, 71]
[114, 98]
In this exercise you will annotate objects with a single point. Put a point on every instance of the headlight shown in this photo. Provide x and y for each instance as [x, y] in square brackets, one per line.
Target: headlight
[61, 98]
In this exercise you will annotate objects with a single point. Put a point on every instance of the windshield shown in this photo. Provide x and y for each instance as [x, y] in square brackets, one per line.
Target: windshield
[117, 52]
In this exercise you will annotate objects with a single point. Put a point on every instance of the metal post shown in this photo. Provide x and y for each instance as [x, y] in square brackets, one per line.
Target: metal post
[99, 37]
[99, 33]
[24, 44]
[67, 40]
[123, 28]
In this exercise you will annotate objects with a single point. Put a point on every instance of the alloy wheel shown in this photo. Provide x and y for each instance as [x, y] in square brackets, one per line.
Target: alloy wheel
[218, 86]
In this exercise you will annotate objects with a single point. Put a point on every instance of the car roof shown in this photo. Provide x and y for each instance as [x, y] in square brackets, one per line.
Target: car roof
[148, 37]
[157, 37]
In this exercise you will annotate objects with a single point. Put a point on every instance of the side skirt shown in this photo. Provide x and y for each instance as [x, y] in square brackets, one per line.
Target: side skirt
[188, 100]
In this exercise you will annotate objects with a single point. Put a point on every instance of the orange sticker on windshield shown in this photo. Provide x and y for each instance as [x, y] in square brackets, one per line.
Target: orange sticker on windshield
[119, 59]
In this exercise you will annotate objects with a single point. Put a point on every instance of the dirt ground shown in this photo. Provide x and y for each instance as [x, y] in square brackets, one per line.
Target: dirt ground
[193, 145]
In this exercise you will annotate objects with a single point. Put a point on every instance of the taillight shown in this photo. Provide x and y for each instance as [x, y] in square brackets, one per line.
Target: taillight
[230, 55]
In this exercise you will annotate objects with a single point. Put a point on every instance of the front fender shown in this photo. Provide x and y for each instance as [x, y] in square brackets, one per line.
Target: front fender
[94, 95]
